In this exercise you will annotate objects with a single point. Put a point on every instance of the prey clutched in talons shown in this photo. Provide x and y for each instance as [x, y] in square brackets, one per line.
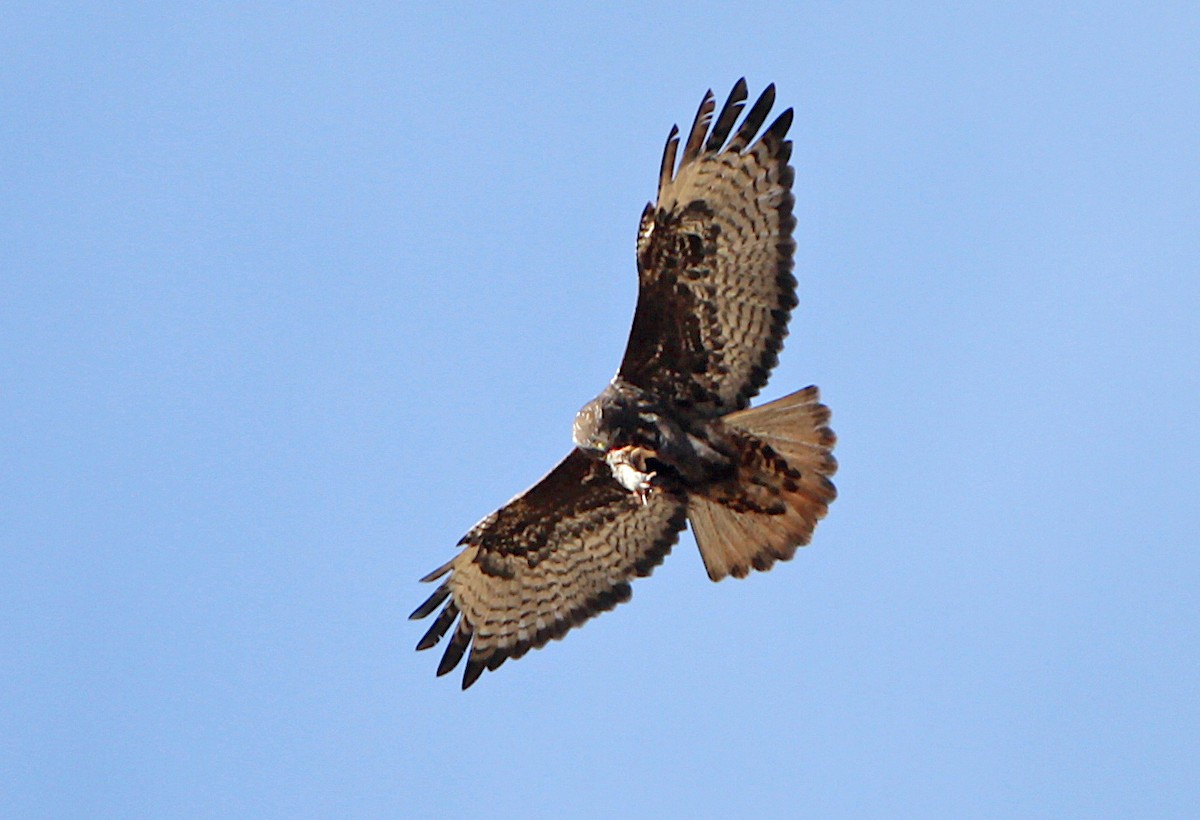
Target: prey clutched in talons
[628, 465]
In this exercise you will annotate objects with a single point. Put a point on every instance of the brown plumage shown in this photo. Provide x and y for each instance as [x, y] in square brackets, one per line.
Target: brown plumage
[715, 263]
[672, 439]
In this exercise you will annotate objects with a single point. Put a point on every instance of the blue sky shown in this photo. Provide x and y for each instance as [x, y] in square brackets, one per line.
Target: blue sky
[293, 296]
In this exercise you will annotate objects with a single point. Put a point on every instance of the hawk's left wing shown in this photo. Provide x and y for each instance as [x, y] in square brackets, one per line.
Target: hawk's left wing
[560, 553]
[714, 259]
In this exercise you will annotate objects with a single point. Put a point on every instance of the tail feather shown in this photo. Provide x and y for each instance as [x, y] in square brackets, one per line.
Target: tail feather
[779, 493]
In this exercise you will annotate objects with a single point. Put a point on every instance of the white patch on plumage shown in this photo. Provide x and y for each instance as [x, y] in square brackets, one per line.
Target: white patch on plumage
[624, 463]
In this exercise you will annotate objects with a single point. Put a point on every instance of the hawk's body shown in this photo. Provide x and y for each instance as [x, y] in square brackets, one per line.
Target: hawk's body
[672, 439]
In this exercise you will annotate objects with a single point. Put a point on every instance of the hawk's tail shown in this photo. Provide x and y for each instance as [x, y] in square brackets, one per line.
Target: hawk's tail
[780, 491]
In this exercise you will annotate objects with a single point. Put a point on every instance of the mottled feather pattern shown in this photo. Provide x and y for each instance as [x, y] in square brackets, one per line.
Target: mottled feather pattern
[714, 262]
[557, 555]
[783, 488]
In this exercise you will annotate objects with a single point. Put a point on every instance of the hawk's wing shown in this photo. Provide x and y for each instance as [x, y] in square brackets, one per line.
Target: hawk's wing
[715, 261]
[559, 553]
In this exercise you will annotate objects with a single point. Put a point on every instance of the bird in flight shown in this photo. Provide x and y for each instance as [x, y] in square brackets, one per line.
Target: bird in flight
[672, 439]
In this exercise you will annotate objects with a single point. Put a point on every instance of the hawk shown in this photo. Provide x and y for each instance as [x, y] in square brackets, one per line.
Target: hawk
[672, 439]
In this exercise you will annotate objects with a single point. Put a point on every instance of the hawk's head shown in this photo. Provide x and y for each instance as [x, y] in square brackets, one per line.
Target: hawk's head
[586, 430]
[608, 421]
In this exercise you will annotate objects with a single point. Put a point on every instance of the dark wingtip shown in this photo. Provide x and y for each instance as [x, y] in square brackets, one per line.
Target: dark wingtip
[475, 667]
[431, 603]
[728, 116]
[437, 573]
[779, 128]
[754, 120]
[667, 169]
[439, 626]
[699, 130]
[455, 649]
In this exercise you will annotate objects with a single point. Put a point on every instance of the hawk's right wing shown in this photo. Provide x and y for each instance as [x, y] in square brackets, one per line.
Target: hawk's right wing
[553, 557]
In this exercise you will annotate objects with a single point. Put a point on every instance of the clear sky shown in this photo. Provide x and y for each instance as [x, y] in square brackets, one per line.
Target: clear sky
[291, 296]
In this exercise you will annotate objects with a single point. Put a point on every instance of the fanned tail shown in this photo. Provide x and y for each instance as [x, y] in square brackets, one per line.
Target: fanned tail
[779, 493]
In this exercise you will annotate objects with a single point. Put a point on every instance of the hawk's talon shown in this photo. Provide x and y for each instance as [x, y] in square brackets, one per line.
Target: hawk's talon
[643, 493]
[624, 465]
